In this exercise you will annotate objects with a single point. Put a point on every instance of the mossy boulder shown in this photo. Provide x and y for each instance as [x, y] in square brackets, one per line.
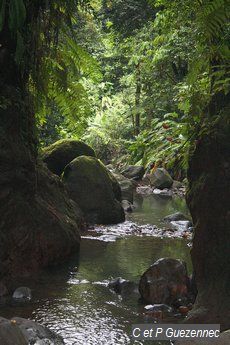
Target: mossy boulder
[93, 188]
[38, 231]
[134, 172]
[126, 186]
[160, 179]
[19, 331]
[62, 152]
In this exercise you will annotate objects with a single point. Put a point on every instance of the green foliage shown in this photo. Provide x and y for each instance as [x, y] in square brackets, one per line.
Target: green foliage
[110, 70]
[17, 14]
[165, 142]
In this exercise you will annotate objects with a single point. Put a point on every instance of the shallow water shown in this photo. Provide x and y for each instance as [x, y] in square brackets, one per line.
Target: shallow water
[74, 300]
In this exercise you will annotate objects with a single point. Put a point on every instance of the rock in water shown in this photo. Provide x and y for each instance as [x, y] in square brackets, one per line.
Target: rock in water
[62, 152]
[127, 206]
[134, 172]
[23, 293]
[19, 331]
[91, 187]
[175, 217]
[10, 333]
[160, 179]
[164, 282]
[39, 230]
[123, 287]
[126, 186]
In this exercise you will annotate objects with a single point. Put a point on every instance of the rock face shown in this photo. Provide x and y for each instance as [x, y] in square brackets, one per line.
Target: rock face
[134, 172]
[61, 153]
[18, 331]
[160, 179]
[126, 186]
[43, 230]
[91, 187]
[164, 282]
[208, 200]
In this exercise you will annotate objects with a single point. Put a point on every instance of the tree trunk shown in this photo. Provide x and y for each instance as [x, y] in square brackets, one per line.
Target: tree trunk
[137, 100]
[208, 199]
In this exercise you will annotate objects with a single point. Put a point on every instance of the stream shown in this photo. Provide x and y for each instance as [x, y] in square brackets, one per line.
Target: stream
[74, 300]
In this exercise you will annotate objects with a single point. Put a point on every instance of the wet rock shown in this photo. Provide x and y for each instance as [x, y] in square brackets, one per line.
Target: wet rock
[145, 190]
[160, 179]
[181, 225]
[91, 187]
[163, 193]
[164, 282]
[183, 310]
[177, 184]
[126, 186]
[62, 152]
[39, 231]
[175, 217]
[18, 331]
[134, 172]
[122, 286]
[37, 334]
[182, 301]
[127, 206]
[166, 309]
[10, 333]
[23, 293]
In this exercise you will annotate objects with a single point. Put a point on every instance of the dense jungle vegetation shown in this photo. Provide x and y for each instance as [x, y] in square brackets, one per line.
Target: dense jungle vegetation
[134, 78]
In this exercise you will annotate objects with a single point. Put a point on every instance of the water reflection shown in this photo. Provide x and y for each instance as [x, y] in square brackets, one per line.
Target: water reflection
[74, 300]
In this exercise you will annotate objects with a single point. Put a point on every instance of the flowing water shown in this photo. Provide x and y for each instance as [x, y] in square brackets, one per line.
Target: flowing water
[74, 299]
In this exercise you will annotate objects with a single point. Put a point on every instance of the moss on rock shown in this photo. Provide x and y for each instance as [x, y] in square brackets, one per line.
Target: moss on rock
[93, 188]
[62, 152]
[39, 230]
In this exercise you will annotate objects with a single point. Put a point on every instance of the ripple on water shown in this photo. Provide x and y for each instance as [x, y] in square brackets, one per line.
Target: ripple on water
[76, 302]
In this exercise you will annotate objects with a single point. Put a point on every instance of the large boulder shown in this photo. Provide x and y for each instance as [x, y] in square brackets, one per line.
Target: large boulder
[62, 152]
[92, 188]
[160, 179]
[126, 186]
[115, 186]
[19, 331]
[134, 172]
[42, 230]
[10, 334]
[164, 282]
